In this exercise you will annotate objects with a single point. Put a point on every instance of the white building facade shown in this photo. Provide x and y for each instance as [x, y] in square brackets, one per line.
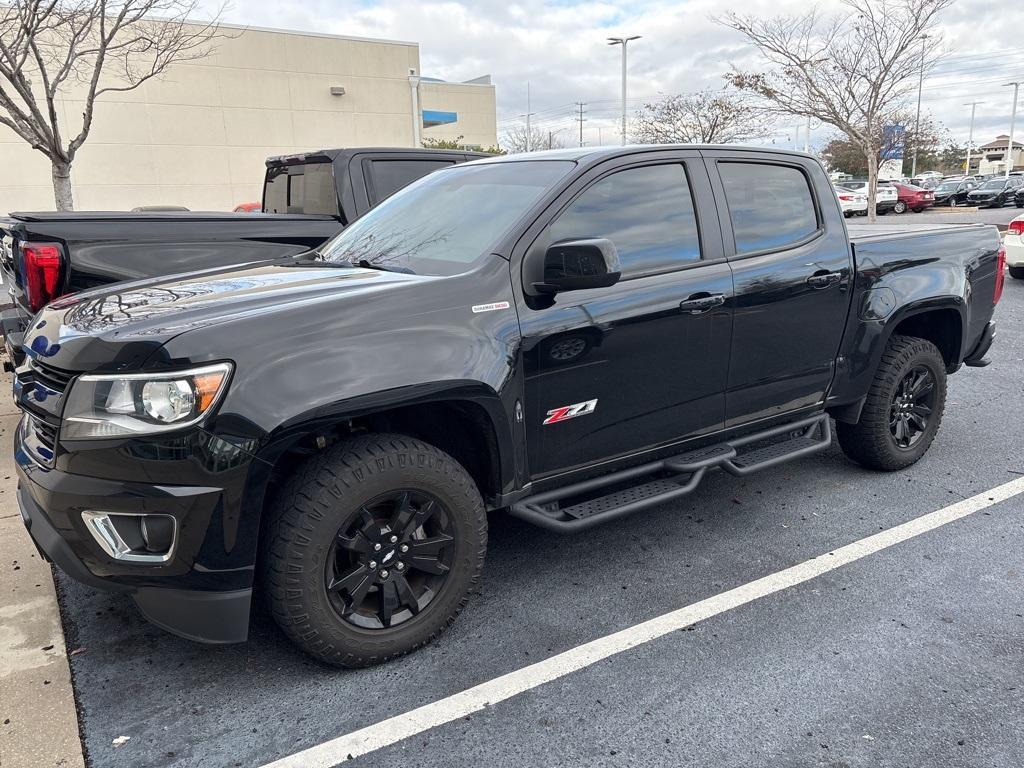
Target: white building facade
[199, 135]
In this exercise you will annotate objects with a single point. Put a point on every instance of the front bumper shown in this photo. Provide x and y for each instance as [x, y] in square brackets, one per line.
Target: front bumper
[195, 603]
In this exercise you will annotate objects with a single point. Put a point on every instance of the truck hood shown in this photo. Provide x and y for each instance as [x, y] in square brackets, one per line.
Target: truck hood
[121, 326]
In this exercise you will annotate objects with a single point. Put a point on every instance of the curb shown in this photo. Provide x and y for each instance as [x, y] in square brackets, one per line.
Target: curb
[38, 720]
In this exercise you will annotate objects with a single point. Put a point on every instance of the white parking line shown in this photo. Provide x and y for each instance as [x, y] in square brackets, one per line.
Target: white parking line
[474, 699]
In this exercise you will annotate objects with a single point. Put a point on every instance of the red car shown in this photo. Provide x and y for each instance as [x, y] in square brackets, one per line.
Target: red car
[914, 198]
[248, 208]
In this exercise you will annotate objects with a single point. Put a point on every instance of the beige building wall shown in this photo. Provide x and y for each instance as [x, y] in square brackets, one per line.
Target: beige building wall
[474, 103]
[199, 136]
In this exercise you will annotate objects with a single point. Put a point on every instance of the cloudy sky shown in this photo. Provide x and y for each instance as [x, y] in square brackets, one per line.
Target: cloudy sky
[558, 47]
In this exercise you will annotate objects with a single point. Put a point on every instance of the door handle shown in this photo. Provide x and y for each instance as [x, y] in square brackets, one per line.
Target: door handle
[824, 279]
[699, 303]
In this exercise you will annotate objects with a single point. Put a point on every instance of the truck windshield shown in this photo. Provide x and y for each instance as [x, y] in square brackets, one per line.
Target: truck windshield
[444, 222]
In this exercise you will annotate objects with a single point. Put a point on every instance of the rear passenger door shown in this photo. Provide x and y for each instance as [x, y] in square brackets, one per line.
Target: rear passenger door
[640, 364]
[792, 271]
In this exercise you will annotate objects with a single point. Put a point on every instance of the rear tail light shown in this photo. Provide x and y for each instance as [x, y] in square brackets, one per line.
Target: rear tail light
[1000, 274]
[40, 271]
[848, 198]
[1016, 227]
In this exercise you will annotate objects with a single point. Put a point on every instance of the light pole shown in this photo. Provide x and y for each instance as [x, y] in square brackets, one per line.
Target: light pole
[623, 41]
[1013, 121]
[917, 118]
[970, 136]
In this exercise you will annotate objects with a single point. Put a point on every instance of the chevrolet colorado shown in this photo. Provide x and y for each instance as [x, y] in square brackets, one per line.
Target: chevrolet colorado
[568, 337]
[307, 199]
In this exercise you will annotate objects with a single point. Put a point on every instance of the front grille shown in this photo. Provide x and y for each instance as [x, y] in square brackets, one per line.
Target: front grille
[46, 434]
[40, 440]
[50, 377]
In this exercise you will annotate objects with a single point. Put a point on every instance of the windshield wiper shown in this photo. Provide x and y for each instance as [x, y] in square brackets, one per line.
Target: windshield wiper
[366, 264]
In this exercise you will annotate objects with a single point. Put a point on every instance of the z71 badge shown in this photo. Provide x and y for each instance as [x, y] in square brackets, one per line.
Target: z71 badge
[567, 412]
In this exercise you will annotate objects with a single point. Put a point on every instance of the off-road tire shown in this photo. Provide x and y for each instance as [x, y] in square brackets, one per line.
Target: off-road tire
[305, 517]
[1017, 273]
[870, 441]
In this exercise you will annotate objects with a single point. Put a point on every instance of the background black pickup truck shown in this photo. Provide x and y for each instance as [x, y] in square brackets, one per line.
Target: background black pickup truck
[307, 199]
[569, 337]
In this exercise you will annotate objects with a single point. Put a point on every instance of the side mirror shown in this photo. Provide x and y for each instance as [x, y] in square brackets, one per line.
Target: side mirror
[576, 265]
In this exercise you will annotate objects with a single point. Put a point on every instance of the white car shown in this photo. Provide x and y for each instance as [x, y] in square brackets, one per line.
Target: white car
[885, 198]
[852, 202]
[1013, 241]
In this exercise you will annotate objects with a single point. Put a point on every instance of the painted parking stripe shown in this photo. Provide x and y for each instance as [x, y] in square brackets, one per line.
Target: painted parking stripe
[474, 699]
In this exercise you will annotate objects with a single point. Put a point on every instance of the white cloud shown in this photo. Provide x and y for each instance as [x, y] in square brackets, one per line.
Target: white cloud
[558, 46]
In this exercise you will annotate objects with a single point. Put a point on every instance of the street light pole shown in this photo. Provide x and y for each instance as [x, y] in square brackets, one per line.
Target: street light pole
[1013, 121]
[623, 41]
[917, 119]
[970, 136]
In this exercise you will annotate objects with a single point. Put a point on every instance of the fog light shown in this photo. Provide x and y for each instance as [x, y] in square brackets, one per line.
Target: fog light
[132, 536]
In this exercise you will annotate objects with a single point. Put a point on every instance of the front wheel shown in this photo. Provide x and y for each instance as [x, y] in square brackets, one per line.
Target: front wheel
[372, 549]
[1017, 273]
[953, 203]
[903, 409]
[900, 207]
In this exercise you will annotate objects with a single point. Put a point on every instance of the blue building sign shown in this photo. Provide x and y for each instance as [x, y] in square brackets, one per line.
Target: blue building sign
[432, 117]
[892, 142]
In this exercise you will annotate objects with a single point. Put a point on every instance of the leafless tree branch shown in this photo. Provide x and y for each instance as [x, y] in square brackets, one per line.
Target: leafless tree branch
[706, 117]
[854, 71]
[104, 45]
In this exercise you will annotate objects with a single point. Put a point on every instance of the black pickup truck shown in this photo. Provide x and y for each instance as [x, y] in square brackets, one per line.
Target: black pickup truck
[307, 199]
[568, 337]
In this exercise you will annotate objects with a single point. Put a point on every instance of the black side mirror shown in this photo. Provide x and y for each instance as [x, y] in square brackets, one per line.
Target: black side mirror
[575, 265]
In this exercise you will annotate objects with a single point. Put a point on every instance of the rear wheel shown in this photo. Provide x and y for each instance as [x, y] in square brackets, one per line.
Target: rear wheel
[903, 409]
[1017, 273]
[372, 549]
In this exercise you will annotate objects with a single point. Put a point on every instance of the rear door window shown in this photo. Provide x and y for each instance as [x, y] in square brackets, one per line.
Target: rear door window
[385, 177]
[306, 188]
[770, 206]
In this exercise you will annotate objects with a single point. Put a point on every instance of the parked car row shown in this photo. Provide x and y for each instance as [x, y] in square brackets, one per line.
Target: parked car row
[890, 196]
[997, 192]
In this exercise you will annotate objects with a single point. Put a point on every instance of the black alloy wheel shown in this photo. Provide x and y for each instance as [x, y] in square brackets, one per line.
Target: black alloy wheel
[390, 559]
[911, 406]
[372, 548]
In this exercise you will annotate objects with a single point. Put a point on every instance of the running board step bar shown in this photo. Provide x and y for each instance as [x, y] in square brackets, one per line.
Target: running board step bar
[580, 506]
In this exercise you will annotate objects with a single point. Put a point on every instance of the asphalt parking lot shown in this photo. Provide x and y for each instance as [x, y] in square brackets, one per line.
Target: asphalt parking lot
[912, 656]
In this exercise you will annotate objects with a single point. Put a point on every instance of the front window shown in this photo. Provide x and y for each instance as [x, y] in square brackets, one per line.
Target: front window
[953, 187]
[444, 222]
[994, 184]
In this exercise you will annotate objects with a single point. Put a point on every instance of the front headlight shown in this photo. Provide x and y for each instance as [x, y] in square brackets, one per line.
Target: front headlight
[115, 405]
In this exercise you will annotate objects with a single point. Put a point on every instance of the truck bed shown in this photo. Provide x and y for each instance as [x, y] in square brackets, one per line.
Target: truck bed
[870, 233]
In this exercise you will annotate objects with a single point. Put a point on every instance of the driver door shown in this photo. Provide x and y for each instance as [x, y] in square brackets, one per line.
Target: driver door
[643, 363]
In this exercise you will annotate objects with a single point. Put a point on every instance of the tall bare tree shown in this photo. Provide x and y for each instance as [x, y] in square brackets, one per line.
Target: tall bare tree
[50, 49]
[854, 71]
[706, 117]
[516, 140]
